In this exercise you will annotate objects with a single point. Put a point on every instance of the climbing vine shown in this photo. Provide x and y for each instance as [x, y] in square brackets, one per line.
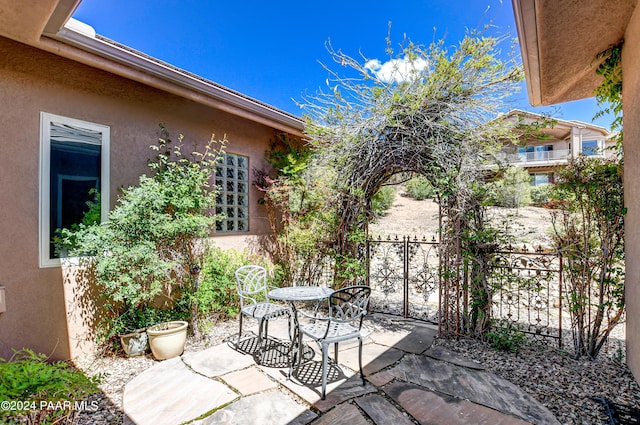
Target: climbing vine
[609, 92]
[433, 115]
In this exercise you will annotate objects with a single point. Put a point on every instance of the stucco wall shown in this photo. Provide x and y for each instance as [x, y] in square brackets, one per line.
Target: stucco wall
[631, 88]
[32, 81]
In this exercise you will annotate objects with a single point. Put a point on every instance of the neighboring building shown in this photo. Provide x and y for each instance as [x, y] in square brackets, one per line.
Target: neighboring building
[559, 41]
[80, 112]
[542, 152]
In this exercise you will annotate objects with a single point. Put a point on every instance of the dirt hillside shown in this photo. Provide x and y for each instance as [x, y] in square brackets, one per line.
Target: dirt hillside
[530, 225]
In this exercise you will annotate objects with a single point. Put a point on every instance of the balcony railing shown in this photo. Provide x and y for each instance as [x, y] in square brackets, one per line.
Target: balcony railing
[558, 155]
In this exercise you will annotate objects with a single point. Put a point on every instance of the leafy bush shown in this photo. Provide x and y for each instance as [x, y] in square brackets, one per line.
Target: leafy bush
[588, 228]
[44, 393]
[419, 188]
[382, 200]
[217, 293]
[506, 335]
[151, 244]
[512, 191]
[540, 195]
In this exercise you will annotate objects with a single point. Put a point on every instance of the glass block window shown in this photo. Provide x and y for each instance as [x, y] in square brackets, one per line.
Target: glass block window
[232, 177]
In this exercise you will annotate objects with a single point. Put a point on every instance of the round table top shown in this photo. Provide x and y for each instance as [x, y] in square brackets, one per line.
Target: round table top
[300, 293]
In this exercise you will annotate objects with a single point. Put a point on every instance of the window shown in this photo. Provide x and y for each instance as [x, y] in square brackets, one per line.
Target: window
[74, 165]
[538, 179]
[543, 153]
[232, 177]
[590, 147]
[526, 153]
[536, 153]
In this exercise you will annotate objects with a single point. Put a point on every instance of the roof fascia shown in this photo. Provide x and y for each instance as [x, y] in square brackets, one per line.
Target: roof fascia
[237, 104]
[564, 123]
[526, 24]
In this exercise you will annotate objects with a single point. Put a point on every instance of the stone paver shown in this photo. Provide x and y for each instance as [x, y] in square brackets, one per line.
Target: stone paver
[418, 340]
[270, 408]
[218, 360]
[343, 414]
[440, 353]
[381, 411]
[477, 386]
[249, 381]
[381, 378]
[169, 393]
[390, 338]
[375, 357]
[308, 384]
[428, 407]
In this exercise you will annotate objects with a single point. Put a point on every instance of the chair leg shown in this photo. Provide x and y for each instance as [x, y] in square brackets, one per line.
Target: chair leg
[325, 360]
[240, 330]
[360, 359]
[335, 351]
[300, 352]
[260, 326]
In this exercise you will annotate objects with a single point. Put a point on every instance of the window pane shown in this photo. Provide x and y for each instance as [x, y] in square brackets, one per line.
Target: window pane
[590, 147]
[74, 172]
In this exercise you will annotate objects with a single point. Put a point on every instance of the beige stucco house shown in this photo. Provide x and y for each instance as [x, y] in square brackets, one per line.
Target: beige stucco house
[79, 111]
[542, 152]
[559, 40]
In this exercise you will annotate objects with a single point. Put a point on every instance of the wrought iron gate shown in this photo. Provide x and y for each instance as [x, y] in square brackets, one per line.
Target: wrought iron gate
[530, 291]
[404, 276]
[406, 279]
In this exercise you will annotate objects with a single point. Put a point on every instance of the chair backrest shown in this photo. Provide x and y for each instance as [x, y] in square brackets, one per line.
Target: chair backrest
[252, 283]
[349, 304]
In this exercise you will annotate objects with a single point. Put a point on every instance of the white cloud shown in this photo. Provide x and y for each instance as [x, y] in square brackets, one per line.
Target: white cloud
[396, 70]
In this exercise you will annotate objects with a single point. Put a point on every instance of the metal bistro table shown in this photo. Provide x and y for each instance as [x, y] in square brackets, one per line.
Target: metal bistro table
[293, 295]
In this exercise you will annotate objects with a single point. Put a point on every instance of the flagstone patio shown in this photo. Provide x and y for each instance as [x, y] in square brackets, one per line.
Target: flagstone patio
[406, 381]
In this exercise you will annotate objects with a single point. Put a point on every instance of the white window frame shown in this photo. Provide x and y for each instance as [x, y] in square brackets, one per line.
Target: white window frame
[599, 147]
[45, 176]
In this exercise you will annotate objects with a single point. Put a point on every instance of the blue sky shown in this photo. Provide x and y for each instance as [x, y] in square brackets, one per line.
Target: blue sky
[271, 50]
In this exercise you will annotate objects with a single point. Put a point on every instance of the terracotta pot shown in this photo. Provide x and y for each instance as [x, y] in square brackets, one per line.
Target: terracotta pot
[135, 343]
[167, 339]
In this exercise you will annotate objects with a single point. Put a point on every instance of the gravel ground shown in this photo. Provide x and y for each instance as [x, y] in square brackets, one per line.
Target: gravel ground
[560, 382]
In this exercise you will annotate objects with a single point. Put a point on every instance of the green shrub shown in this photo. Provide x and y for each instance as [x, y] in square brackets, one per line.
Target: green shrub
[512, 191]
[152, 242]
[382, 200]
[43, 393]
[506, 335]
[419, 188]
[217, 294]
[540, 195]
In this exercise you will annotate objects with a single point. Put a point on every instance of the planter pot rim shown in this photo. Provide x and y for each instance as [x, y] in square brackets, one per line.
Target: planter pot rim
[129, 333]
[167, 327]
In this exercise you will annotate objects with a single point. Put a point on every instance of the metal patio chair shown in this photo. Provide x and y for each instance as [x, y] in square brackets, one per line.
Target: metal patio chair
[347, 308]
[254, 301]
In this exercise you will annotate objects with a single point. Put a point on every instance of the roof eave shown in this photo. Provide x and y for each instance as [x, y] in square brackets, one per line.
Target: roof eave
[526, 25]
[525, 17]
[203, 90]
